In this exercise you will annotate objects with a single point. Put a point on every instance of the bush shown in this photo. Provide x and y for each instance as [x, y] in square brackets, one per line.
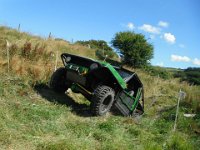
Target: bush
[191, 75]
[158, 71]
[102, 47]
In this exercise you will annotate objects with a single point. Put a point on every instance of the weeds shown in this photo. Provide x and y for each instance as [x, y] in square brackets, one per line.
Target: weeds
[178, 141]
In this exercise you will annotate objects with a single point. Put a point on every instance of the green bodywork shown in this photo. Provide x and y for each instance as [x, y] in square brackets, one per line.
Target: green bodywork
[84, 70]
[115, 74]
[136, 99]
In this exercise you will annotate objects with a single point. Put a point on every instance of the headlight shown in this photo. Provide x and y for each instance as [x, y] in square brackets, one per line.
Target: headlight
[68, 58]
[93, 66]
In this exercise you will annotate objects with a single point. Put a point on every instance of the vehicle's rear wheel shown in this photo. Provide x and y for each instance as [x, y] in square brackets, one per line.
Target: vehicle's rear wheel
[58, 80]
[102, 100]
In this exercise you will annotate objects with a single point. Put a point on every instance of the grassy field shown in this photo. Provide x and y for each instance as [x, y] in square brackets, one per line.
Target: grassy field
[32, 116]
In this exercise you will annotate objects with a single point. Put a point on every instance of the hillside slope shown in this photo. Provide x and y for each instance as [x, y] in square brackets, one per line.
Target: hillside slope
[34, 117]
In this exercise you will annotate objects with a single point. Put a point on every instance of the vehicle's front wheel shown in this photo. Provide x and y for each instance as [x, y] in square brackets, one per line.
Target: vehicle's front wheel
[102, 100]
[58, 80]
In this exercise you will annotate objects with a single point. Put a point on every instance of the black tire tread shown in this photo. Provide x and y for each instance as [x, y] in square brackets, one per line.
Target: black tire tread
[99, 94]
[55, 79]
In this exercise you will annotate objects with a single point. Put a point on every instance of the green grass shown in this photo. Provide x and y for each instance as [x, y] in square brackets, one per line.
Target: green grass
[32, 116]
[42, 119]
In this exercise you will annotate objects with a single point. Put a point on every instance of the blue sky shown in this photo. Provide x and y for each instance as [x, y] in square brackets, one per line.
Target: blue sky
[172, 26]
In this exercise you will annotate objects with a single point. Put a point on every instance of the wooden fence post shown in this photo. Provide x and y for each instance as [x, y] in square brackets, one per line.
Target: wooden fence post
[180, 97]
[8, 54]
[49, 35]
[19, 26]
[56, 63]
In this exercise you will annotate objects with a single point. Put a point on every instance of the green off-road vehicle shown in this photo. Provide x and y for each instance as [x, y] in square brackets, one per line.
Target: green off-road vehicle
[102, 84]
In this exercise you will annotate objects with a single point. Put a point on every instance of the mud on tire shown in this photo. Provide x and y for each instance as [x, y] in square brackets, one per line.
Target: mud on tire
[102, 100]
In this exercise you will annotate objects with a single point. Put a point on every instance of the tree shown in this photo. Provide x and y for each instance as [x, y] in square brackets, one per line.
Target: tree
[135, 49]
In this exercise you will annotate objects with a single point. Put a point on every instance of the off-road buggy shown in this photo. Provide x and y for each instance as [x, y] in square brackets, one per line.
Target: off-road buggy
[102, 84]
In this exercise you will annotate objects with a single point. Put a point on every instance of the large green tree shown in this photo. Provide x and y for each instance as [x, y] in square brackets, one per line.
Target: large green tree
[135, 49]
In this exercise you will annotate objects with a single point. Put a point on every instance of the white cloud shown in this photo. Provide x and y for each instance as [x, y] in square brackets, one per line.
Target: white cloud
[150, 29]
[170, 38]
[196, 61]
[181, 45]
[161, 64]
[163, 24]
[130, 26]
[180, 58]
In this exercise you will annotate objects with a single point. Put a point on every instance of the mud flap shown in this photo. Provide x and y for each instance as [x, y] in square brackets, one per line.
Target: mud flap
[126, 104]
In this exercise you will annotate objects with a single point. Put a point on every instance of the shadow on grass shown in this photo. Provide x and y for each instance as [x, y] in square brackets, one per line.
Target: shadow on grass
[63, 99]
